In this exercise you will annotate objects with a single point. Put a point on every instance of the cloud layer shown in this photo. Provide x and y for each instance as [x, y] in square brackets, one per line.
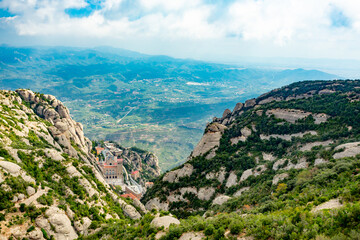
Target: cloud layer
[300, 28]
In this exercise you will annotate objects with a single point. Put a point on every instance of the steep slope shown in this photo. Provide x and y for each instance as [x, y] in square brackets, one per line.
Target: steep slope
[48, 185]
[292, 150]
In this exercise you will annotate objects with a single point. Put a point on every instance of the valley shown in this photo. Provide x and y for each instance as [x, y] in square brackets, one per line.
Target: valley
[170, 99]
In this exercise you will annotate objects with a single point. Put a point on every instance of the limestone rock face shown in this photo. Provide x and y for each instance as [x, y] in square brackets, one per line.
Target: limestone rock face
[66, 131]
[131, 212]
[350, 150]
[156, 204]
[232, 180]
[206, 193]
[279, 177]
[82, 226]
[219, 200]
[331, 204]
[220, 175]
[192, 236]
[238, 107]
[226, 112]
[210, 140]
[175, 175]
[57, 224]
[240, 191]
[164, 221]
[292, 115]
[250, 103]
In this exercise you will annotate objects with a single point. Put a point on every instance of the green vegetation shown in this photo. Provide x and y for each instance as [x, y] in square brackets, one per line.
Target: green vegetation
[167, 100]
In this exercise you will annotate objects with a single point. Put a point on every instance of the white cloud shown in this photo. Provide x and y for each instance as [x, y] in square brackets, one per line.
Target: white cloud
[292, 25]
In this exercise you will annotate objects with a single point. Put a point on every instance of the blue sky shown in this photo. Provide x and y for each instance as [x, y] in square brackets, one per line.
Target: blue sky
[200, 29]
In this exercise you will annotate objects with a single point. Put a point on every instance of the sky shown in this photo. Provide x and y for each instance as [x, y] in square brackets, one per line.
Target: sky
[200, 29]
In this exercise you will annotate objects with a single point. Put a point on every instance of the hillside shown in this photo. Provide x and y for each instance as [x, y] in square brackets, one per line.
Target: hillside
[151, 102]
[285, 165]
[49, 187]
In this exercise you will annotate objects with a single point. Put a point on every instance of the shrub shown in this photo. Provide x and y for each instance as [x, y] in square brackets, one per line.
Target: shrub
[209, 230]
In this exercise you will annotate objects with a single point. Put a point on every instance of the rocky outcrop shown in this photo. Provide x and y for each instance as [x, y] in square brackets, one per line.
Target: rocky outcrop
[57, 223]
[210, 141]
[67, 133]
[279, 177]
[219, 200]
[240, 191]
[287, 137]
[349, 150]
[232, 180]
[206, 193]
[192, 236]
[309, 146]
[164, 221]
[331, 204]
[292, 115]
[175, 175]
[155, 203]
[219, 175]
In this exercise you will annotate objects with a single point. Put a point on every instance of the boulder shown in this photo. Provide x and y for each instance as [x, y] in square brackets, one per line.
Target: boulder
[30, 191]
[21, 196]
[11, 168]
[164, 221]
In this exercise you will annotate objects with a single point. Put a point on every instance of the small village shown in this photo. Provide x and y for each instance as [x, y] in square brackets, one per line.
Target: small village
[111, 164]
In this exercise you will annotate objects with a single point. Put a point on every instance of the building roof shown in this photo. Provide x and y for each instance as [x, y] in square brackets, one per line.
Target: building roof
[135, 172]
[129, 195]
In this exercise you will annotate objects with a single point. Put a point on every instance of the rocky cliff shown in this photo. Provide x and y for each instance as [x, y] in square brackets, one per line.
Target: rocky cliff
[48, 185]
[264, 142]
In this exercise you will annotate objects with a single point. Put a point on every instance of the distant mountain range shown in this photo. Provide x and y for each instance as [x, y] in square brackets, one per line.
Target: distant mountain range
[156, 103]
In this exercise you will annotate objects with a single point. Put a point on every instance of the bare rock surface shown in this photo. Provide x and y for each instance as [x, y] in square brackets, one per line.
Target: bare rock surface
[292, 115]
[331, 204]
[206, 193]
[219, 175]
[279, 177]
[350, 150]
[309, 146]
[232, 180]
[164, 221]
[156, 204]
[287, 137]
[240, 191]
[210, 140]
[192, 236]
[219, 200]
[57, 223]
[175, 175]
[268, 156]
